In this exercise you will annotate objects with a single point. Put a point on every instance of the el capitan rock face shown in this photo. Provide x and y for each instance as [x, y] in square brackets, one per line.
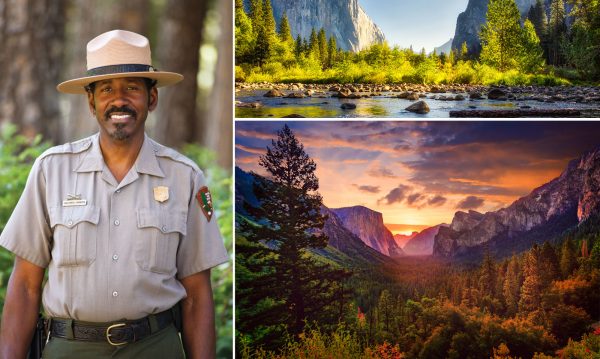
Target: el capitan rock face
[368, 225]
[549, 209]
[344, 19]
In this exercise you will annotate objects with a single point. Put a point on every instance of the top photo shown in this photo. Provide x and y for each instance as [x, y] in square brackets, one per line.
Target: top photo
[417, 59]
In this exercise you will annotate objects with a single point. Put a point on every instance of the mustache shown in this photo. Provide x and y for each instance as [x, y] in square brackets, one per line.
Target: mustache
[122, 109]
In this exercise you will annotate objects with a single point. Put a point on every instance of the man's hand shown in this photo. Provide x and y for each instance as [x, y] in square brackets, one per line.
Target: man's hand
[198, 317]
[21, 309]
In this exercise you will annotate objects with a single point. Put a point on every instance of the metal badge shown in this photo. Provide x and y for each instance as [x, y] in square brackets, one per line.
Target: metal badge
[74, 200]
[161, 193]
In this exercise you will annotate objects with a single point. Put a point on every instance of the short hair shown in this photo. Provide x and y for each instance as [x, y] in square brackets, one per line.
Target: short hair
[150, 83]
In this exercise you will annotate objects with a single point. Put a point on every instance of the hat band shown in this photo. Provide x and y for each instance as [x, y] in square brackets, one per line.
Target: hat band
[123, 68]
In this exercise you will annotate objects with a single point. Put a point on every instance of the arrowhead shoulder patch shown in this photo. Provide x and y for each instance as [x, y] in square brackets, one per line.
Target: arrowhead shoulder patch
[205, 200]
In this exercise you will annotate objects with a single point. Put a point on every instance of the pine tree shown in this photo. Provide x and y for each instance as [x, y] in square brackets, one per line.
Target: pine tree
[557, 30]
[331, 51]
[464, 51]
[256, 13]
[313, 43]
[501, 35]
[298, 47]
[285, 32]
[277, 265]
[531, 291]
[550, 268]
[512, 286]
[268, 19]
[487, 276]
[385, 308]
[537, 16]
[532, 56]
[322, 43]
[568, 258]
[244, 34]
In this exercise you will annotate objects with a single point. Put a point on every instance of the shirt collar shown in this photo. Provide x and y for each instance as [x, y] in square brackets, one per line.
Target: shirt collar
[146, 162]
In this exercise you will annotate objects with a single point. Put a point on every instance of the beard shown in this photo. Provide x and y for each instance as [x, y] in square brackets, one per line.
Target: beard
[120, 134]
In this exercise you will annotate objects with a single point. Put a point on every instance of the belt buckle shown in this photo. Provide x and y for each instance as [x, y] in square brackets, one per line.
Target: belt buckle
[108, 335]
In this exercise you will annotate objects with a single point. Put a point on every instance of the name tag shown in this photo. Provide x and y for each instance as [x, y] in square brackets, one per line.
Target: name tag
[74, 202]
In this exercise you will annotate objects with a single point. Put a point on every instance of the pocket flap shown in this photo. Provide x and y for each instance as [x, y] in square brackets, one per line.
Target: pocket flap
[71, 216]
[164, 221]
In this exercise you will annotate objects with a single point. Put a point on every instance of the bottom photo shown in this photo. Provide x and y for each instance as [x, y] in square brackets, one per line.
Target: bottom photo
[400, 239]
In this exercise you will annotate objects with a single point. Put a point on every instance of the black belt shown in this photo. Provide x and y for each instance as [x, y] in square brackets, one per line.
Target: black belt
[115, 333]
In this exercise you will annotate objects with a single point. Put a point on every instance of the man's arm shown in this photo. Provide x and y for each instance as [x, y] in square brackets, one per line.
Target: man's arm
[21, 309]
[198, 317]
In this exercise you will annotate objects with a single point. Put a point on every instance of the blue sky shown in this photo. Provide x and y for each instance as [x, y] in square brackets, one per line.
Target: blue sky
[424, 23]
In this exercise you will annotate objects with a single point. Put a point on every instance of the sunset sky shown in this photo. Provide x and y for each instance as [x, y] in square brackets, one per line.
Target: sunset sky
[418, 174]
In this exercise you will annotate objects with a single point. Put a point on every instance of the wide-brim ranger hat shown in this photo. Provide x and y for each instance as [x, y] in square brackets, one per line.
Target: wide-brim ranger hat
[115, 54]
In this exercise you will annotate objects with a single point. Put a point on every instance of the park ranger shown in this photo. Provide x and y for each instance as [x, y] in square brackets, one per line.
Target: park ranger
[124, 225]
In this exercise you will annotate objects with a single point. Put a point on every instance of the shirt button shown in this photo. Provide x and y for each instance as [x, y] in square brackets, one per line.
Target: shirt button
[70, 223]
[117, 222]
[118, 191]
[115, 257]
[115, 293]
[164, 228]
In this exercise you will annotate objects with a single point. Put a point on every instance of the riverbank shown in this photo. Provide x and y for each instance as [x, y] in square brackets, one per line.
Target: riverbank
[391, 100]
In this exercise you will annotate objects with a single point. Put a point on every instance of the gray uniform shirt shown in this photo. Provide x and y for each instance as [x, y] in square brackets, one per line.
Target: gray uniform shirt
[113, 250]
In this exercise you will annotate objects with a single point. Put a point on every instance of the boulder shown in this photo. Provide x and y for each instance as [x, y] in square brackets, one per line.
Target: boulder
[296, 95]
[348, 106]
[274, 93]
[420, 107]
[496, 94]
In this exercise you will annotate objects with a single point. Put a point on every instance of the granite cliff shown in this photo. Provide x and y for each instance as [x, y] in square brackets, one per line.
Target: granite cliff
[546, 211]
[368, 225]
[344, 19]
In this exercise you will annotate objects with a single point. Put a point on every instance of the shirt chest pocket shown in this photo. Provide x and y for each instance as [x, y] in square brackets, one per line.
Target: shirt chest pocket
[156, 247]
[75, 231]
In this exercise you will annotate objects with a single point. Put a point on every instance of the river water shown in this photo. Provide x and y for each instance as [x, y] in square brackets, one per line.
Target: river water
[385, 106]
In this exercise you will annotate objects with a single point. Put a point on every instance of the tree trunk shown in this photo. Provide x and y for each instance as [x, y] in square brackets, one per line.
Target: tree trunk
[31, 39]
[180, 36]
[216, 111]
[91, 18]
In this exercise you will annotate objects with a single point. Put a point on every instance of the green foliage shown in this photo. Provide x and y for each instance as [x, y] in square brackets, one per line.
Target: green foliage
[221, 187]
[276, 268]
[17, 154]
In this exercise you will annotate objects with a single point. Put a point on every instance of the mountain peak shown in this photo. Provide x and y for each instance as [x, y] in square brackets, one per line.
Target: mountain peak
[548, 210]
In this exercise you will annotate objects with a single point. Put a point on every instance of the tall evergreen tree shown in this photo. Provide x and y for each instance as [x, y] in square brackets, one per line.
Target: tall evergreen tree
[531, 291]
[256, 13]
[537, 16]
[501, 35]
[568, 258]
[268, 18]
[532, 55]
[298, 47]
[557, 31]
[322, 43]
[550, 268]
[277, 265]
[313, 43]
[512, 286]
[244, 34]
[487, 276]
[285, 32]
[331, 51]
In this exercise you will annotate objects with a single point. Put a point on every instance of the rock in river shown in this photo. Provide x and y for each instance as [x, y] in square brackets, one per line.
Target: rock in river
[420, 107]
[348, 106]
[274, 93]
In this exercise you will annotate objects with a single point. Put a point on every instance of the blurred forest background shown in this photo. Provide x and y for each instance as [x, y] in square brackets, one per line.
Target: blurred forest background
[43, 42]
